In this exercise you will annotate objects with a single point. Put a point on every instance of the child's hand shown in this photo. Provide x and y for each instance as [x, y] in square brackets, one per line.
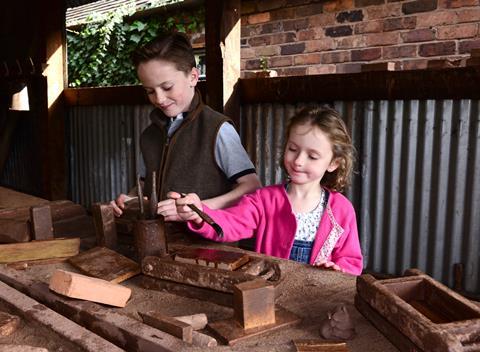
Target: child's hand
[183, 210]
[329, 265]
[118, 204]
[168, 210]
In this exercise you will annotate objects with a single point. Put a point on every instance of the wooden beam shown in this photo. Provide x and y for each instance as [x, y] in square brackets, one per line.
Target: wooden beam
[58, 248]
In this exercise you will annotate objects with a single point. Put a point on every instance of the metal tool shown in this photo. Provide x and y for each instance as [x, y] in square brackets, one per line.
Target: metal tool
[205, 218]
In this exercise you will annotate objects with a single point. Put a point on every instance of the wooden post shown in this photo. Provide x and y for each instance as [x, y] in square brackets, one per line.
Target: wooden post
[105, 228]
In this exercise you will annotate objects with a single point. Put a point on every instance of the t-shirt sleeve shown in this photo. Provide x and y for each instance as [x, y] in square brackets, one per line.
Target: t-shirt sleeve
[230, 155]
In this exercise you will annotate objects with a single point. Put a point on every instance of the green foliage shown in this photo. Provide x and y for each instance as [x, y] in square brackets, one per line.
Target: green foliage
[263, 63]
[99, 54]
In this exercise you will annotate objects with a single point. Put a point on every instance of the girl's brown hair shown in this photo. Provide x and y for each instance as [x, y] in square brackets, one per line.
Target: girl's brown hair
[331, 123]
[172, 47]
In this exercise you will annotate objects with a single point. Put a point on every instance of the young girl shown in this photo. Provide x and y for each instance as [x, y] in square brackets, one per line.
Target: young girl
[305, 219]
[189, 145]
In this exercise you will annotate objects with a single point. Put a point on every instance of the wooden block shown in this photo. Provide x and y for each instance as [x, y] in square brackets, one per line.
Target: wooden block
[203, 340]
[41, 220]
[170, 325]
[212, 257]
[230, 332]
[88, 288]
[8, 323]
[105, 228]
[197, 321]
[14, 231]
[29, 263]
[379, 66]
[254, 303]
[150, 238]
[317, 345]
[106, 264]
[57, 248]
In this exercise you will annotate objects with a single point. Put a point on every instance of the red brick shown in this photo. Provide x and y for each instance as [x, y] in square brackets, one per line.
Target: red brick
[295, 25]
[366, 54]
[369, 27]
[319, 45]
[337, 5]
[357, 41]
[321, 69]
[393, 24]
[418, 35]
[452, 4]
[415, 64]
[437, 18]
[247, 53]
[292, 71]
[280, 38]
[350, 16]
[322, 20]
[308, 10]
[465, 46]
[335, 56]
[387, 38]
[282, 14]
[349, 68]
[290, 49]
[269, 50]
[308, 59]
[338, 31]
[307, 35]
[250, 31]
[259, 18]
[271, 27]
[258, 41]
[279, 61]
[388, 10]
[458, 31]
[267, 5]
[365, 3]
[419, 6]
[393, 52]
[437, 49]
[252, 64]
[471, 15]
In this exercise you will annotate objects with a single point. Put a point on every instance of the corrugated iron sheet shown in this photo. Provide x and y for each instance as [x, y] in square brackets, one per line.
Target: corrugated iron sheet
[416, 191]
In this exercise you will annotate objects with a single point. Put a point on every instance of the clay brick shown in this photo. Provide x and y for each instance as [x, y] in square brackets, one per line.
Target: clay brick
[437, 49]
[291, 49]
[369, 27]
[248, 53]
[366, 54]
[387, 38]
[470, 15]
[418, 35]
[338, 5]
[321, 20]
[453, 4]
[295, 25]
[357, 41]
[259, 18]
[465, 46]
[350, 16]
[308, 10]
[364, 3]
[282, 14]
[254, 304]
[266, 50]
[393, 24]
[259, 41]
[335, 56]
[281, 38]
[271, 27]
[319, 45]
[293, 71]
[415, 64]
[267, 5]
[388, 10]
[41, 221]
[338, 31]
[252, 64]
[321, 69]
[307, 35]
[308, 59]
[280, 61]
[437, 18]
[458, 31]
[419, 6]
[392, 52]
[349, 68]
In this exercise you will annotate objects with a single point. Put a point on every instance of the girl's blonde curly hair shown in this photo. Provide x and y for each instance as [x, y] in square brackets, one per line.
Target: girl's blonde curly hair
[332, 124]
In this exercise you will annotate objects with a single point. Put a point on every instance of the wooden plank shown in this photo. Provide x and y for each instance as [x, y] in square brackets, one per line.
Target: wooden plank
[125, 332]
[215, 258]
[57, 248]
[41, 220]
[14, 231]
[230, 332]
[201, 276]
[317, 345]
[170, 325]
[105, 264]
[89, 288]
[22, 265]
[105, 228]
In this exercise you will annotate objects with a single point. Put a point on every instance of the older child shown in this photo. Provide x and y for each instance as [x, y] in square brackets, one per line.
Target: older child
[189, 145]
[305, 219]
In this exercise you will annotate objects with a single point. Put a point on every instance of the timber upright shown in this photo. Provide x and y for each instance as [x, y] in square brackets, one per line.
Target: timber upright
[149, 233]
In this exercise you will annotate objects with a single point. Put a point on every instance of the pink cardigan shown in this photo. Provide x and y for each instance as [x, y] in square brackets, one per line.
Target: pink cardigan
[267, 214]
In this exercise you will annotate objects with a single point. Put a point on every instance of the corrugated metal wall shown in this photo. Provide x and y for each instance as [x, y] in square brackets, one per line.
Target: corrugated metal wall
[416, 192]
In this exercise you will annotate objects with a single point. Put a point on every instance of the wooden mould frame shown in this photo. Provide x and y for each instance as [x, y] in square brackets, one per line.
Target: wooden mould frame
[417, 313]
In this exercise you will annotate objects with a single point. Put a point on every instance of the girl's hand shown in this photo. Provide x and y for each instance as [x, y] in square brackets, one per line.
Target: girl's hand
[329, 265]
[183, 210]
[168, 210]
[119, 204]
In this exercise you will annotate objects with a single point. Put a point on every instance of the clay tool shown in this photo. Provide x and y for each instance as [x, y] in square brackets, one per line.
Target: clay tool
[205, 218]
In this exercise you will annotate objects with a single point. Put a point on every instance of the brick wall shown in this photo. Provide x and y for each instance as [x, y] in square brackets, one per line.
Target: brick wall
[299, 37]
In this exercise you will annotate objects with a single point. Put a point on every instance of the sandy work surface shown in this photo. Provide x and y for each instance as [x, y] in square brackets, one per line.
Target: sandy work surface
[305, 291]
